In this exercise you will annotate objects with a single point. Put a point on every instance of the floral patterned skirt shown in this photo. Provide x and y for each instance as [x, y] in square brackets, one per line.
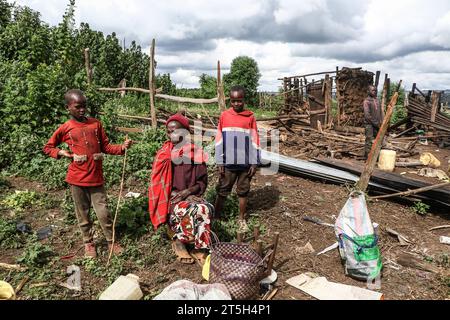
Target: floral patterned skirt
[190, 221]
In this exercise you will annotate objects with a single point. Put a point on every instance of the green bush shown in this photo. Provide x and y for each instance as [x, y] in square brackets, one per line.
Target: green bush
[9, 237]
[132, 218]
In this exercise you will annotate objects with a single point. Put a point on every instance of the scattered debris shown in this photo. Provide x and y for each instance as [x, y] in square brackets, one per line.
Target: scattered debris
[444, 240]
[8, 266]
[74, 280]
[317, 221]
[440, 227]
[134, 195]
[21, 284]
[44, 233]
[306, 249]
[23, 227]
[322, 289]
[402, 239]
[428, 159]
[333, 246]
[124, 288]
[271, 294]
[433, 173]
[38, 285]
[407, 260]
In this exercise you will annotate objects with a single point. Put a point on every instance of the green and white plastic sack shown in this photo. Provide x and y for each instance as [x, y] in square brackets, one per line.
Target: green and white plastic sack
[358, 243]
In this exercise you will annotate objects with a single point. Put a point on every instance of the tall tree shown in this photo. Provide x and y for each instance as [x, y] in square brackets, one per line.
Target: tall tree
[244, 71]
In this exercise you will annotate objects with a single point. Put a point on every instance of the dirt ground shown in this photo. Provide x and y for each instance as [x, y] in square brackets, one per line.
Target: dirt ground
[280, 202]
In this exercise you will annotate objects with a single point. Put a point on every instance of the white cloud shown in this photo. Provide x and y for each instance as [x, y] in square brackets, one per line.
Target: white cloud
[405, 38]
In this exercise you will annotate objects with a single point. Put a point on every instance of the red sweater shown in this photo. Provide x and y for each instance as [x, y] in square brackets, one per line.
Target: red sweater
[84, 139]
[237, 140]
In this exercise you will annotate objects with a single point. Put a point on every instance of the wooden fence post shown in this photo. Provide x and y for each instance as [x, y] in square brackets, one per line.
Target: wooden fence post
[220, 90]
[151, 84]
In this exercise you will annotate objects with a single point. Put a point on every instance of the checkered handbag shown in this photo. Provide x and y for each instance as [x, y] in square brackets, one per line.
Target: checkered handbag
[238, 267]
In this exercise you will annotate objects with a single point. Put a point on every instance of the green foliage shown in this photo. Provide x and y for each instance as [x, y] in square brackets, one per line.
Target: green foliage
[132, 218]
[244, 71]
[99, 268]
[21, 200]
[208, 86]
[9, 237]
[163, 81]
[400, 111]
[4, 184]
[35, 253]
[421, 208]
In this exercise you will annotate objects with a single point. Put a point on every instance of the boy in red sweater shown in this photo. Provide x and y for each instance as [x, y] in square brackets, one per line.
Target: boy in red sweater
[237, 153]
[87, 142]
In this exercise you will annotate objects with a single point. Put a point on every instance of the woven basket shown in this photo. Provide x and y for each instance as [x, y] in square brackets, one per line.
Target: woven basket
[238, 267]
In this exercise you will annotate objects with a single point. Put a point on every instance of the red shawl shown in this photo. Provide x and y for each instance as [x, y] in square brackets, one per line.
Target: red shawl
[161, 178]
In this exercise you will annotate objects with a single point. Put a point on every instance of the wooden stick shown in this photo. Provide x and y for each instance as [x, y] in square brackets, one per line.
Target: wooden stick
[8, 266]
[21, 284]
[272, 294]
[118, 205]
[376, 147]
[410, 192]
[124, 89]
[220, 90]
[186, 100]
[440, 227]
[259, 247]
[151, 84]
[308, 75]
[272, 256]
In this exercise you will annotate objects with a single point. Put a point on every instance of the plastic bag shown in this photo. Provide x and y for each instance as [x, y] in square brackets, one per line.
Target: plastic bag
[188, 290]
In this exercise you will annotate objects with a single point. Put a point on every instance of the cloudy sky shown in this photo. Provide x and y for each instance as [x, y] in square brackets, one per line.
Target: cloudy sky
[409, 39]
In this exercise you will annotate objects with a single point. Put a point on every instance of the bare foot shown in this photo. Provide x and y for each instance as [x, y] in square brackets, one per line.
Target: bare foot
[183, 255]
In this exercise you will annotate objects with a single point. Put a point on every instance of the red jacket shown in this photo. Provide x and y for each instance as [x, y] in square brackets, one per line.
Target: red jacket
[84, 139]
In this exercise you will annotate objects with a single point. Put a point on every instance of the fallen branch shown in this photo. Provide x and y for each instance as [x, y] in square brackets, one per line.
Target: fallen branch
[12, 267]
[21, 284]
[410, 192]
[440, 227]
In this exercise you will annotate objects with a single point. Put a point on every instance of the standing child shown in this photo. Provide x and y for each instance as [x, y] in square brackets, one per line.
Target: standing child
[87, 142]
[237, 153]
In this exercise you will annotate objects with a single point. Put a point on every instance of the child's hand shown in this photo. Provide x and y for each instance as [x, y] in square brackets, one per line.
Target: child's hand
[127, 144]
[221, 170]
[65, 153]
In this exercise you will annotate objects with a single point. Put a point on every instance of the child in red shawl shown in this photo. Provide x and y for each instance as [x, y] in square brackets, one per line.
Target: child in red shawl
[179, 177]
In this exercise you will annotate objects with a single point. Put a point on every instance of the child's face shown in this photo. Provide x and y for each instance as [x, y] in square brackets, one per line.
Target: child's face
[77, 107]
[237, 100]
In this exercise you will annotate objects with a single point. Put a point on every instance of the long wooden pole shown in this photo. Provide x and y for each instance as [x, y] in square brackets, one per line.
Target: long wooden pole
[151, 85]
[378, 143]
[220, 90]
[410, 192]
